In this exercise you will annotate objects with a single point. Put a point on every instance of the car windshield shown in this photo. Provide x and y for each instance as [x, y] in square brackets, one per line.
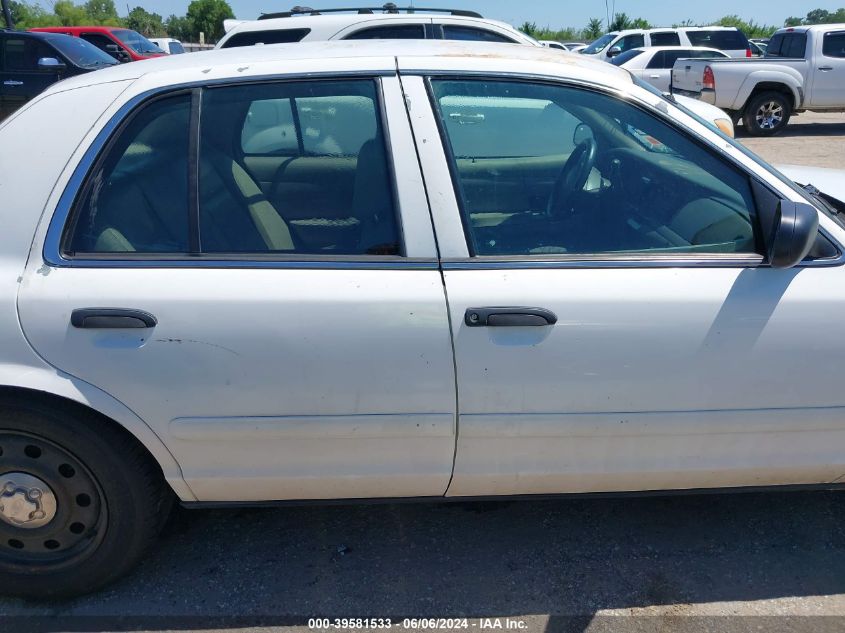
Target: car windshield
[626, 56]
[82, 53]
[137, 42]
[600, 44]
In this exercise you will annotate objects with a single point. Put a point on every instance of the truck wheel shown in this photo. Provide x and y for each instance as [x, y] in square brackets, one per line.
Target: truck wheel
[80, 501]
[766, 114]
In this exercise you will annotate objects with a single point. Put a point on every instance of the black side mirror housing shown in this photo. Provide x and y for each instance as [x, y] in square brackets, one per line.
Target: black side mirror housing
[795, 230]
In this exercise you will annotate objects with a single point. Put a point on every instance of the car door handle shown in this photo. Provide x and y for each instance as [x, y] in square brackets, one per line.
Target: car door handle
[825, 67]
[509, 317]
[11, 82]
[111, 319]
[654, 76]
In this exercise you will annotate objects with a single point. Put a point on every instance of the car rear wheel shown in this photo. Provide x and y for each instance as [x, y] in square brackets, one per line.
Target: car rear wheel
[80, 501]
[766, 114]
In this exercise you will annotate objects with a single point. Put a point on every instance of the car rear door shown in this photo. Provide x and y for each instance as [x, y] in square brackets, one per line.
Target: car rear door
[277, 357]
[618, 330]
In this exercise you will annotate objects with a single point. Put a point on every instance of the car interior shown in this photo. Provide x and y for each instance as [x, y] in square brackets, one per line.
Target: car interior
[553, 170]
[302, 173]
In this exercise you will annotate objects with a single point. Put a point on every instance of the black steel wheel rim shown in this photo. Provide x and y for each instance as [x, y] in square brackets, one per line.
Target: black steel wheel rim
[79, 523]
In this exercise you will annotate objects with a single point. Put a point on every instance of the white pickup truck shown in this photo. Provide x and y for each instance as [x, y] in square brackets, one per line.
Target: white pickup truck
[804, 69]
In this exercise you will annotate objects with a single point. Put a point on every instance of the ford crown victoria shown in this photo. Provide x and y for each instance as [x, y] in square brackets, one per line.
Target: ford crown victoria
[331, 271]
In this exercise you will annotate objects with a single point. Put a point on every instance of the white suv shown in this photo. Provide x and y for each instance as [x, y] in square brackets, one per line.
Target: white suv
[302, 24]
[728, 39]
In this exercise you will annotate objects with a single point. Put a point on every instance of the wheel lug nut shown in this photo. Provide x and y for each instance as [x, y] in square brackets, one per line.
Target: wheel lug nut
[35, 493]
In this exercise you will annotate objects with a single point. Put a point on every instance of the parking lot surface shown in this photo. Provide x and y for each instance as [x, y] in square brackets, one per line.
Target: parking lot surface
[676, 563]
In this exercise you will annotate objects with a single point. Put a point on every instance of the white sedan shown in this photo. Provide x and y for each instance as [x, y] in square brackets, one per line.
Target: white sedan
[654, 64]
[362, 270]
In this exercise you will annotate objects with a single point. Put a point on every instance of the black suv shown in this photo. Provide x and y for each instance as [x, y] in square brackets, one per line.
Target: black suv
[30, 62]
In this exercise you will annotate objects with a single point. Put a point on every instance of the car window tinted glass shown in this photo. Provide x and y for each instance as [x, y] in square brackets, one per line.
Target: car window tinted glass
[600, 44]
[136, 41]
[392, 32]
[22, 54]
[723, 40]
[251, 38]
[82, 53]
[295, 168]
[665, 39]
[136, 201]
[659, 60]
[630, 41]
[453, 32]
[175, 48]
[551, 170]
[787, 45]
[834, 44]
[627, 56]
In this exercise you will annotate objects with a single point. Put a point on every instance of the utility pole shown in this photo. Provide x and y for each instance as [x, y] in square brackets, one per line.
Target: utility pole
[7, 13]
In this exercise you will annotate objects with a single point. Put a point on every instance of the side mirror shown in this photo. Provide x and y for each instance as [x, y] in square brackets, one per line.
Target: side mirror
[613, 52]
[51, 63]
[795, 231]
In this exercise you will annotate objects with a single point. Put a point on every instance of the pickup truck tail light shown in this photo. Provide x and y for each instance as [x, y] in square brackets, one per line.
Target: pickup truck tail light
[748, 52]
[708, 82]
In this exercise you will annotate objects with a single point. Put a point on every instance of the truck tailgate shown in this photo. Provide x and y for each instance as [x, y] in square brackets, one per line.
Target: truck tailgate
[687, 75]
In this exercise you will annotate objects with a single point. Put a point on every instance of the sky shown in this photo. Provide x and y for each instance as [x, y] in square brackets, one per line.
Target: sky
[552, 13]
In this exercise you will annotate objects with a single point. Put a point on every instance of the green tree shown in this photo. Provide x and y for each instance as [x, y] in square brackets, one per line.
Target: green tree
[620, 22]
[69, 14]
[206, 16]
[793, 22]
[594, 29]
[529, 28]
[179, 27]
[102, 12]
[640, 23]
[144, 22]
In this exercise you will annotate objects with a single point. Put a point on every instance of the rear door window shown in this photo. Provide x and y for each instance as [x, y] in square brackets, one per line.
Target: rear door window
[666, 38]
[723, 40]
[834, 44]
[788, 45]
[390, 32]
[251, 38]
[469, 33]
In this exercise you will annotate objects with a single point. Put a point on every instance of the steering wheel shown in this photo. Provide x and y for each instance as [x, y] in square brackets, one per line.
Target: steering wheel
[573, 176]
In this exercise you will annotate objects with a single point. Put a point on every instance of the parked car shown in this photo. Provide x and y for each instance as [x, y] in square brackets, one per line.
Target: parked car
[124, 45]
[757, 49]
[725, 38]
[168, 45]
[230, 287]
[302, 24]
[30, 62]
[804, 70]
[554, 44]
[654, 65]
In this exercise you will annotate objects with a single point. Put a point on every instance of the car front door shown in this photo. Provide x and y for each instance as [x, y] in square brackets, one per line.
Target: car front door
[615, 325]
[828, 73]
[22, 79]
[279, 355]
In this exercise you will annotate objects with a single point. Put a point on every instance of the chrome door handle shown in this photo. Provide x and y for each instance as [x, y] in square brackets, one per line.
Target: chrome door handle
[11, 82]
[654, 76]
[509, 317]
[826, 68]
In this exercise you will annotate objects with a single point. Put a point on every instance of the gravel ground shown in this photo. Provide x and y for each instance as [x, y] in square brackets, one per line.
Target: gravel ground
[743, 562]
[811, 139]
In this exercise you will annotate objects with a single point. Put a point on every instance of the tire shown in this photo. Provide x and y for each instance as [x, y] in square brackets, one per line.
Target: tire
[102, 503]
[766, 114]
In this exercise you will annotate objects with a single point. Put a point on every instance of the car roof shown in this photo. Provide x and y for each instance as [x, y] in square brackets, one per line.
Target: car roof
[676, 48]
[812, 27]
[338, 21]
[79, 29]
[364, 56]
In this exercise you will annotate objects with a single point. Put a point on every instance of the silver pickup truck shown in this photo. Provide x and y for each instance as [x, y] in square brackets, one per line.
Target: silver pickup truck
[804, 69]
